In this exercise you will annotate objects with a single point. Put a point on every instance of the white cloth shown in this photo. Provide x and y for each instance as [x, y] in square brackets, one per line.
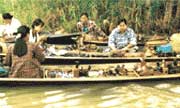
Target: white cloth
[2, 30]
[33, 38]
[12, 28]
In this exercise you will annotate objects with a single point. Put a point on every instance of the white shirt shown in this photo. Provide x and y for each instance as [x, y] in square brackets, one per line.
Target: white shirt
[32, 38]
[12, 28]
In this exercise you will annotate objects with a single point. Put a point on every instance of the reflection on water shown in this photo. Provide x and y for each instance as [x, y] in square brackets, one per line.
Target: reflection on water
[157, 94]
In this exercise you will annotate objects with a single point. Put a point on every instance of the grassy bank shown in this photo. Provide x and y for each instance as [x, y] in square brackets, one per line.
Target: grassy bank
[145, 16]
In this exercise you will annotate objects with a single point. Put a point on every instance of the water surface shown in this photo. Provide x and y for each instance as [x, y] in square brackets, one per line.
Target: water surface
[151, 94]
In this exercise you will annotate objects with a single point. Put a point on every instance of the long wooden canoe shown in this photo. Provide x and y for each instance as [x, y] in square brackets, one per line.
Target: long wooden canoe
[102, 60]
[105, 43]
[65, 35]
[62, 38]
[56, 60]
[54, 81]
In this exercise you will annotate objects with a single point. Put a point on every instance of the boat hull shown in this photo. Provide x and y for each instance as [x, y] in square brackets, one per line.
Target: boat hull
[61, 81]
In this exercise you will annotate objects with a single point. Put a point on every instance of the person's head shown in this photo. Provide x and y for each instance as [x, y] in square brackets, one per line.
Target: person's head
[122, 25]
[84, 17]
[37, 25]
[20, 47]
[23, 31]
[7, 17]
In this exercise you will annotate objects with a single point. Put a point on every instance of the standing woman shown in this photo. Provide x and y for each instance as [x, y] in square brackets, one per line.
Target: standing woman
[23, 57]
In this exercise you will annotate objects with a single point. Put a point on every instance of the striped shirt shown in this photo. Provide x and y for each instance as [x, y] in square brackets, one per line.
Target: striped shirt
[121, 40]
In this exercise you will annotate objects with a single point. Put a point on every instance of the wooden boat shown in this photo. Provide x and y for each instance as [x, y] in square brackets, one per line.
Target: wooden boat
[64, 35]
[53, 60]
[62, 38]
[61, 60]
[56, 81]
[102, 60]
[102, 43]
[105, 43]
[67, 39]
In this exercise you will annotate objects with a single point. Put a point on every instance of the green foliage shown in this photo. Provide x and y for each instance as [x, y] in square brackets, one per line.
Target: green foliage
[66, 13]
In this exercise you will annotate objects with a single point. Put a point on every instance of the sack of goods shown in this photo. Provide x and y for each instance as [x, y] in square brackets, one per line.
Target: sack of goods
[175, 42]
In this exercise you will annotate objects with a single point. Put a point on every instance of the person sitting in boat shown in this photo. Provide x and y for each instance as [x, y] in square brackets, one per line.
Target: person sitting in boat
[88, 26]
[122, 38]
[37, 27]
[11, 25]
[23, 57]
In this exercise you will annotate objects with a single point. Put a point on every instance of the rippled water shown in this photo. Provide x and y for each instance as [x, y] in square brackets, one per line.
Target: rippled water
[156, 94]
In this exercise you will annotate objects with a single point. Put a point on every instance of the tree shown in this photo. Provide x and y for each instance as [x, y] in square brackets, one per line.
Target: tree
[168, 12]
[148, 14]
[178, 10]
